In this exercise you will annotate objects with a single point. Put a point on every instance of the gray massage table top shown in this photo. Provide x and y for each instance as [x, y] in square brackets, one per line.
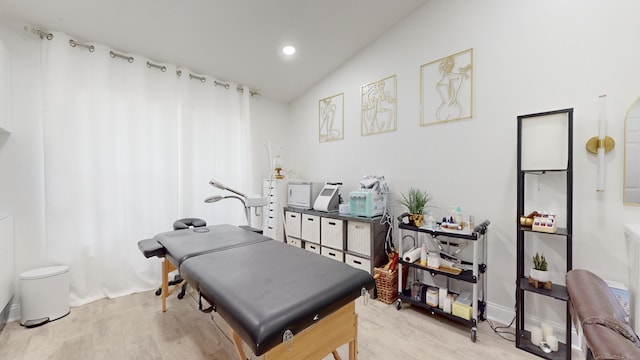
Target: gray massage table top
[182, 244]
[260, 286]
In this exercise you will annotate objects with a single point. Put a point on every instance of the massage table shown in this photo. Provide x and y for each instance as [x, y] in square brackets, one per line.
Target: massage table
[282, 301]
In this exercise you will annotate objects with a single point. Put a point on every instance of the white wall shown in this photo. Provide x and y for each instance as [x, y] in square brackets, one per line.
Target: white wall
[528, 57]
[268, 123]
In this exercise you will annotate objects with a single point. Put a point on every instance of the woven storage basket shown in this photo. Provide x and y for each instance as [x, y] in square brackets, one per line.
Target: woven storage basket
[387, 284]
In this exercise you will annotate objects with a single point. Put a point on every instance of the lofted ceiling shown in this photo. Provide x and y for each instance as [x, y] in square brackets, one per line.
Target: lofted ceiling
[233, 40]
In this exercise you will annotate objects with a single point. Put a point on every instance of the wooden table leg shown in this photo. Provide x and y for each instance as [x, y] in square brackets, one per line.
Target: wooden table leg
[353, 345]
[237, 342]
[165, 283]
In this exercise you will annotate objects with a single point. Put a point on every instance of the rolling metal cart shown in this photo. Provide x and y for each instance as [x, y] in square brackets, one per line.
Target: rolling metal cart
[472, 271]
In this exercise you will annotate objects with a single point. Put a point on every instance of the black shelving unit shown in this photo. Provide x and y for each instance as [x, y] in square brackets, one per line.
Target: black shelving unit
[474, 274]
[557, 292]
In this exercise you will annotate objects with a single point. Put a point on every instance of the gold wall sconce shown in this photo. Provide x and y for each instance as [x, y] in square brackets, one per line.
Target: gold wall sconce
[601, 144]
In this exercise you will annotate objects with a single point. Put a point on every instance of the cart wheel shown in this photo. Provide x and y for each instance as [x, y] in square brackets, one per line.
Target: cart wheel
[398, 304]
[180, 296]
[474, 333]
[158, 292]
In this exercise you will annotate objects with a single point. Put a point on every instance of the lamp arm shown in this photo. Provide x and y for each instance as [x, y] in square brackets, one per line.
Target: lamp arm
[247, 209]
[224, 187]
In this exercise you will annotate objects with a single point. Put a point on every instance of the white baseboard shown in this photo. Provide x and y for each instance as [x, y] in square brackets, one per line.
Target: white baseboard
[14, 313]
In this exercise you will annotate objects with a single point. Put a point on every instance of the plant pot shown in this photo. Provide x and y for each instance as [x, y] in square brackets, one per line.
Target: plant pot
[416, 219]
[542, 276]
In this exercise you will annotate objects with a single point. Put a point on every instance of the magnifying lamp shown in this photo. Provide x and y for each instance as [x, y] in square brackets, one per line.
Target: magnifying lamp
[247, 201]
[216, 198]
[224, 187]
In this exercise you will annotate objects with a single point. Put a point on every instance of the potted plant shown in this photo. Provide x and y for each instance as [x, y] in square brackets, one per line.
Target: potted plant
[415, 200]
[539, 271]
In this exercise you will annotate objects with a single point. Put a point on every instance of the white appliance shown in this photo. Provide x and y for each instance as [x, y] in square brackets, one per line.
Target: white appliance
[6, 268]
[371, 199]
[632, 237]
[301, 194]
[329, 198]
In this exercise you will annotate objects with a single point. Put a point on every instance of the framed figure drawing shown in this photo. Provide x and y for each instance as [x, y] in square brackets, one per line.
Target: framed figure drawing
[446, 89]
[378, 101]
[331, 118]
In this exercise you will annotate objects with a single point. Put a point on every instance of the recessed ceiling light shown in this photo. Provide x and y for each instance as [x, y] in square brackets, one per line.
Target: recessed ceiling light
[288, 50]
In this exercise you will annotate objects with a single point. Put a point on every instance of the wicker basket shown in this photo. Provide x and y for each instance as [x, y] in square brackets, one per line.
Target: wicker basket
[387, 284]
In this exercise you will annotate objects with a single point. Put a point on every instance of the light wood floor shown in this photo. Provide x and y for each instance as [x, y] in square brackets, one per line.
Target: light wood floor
[133, 327]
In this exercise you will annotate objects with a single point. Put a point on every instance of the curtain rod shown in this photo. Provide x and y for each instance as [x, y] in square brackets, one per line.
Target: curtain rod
[161, 67]
[201, 78]
[130, 59]
[74, 43]
[121, 56]
[40, 33]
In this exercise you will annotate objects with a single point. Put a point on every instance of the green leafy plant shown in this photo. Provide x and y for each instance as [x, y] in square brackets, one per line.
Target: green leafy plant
[540, 262]
[415, 200]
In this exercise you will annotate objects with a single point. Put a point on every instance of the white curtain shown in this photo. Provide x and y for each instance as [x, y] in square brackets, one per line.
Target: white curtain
[214, 125]
[128, 150]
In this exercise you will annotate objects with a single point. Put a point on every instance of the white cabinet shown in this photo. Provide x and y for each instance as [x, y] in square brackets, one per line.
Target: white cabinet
[275, 190]
[356, 241]
[332, 253]
[358, 262]
[314, 248]
[6, 267]
[292, 225]
[332, 233]
[358, 237]
[311, 228]
[632, 238]
[294, 242]
[5, 90]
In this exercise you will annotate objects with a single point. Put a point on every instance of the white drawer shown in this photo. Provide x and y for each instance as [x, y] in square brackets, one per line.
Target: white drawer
[272, 222]
[310, 228]
[271, 232]
[358, 262]
[359, 237]
[292, 222]
[294, 242]
[314, 248]
[271, 212]
[332, 233]
[331, 253]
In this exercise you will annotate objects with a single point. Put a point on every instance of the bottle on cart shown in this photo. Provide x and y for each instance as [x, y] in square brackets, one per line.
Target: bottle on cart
[458, 216]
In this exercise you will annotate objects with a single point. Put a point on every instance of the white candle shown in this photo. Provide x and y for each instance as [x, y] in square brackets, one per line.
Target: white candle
[536, 335]
[442, 295]
[552, 341]
[602, 117]
[547, 331]
[446, 307]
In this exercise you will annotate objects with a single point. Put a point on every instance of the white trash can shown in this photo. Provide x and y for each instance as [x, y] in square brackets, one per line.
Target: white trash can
[45, 295]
